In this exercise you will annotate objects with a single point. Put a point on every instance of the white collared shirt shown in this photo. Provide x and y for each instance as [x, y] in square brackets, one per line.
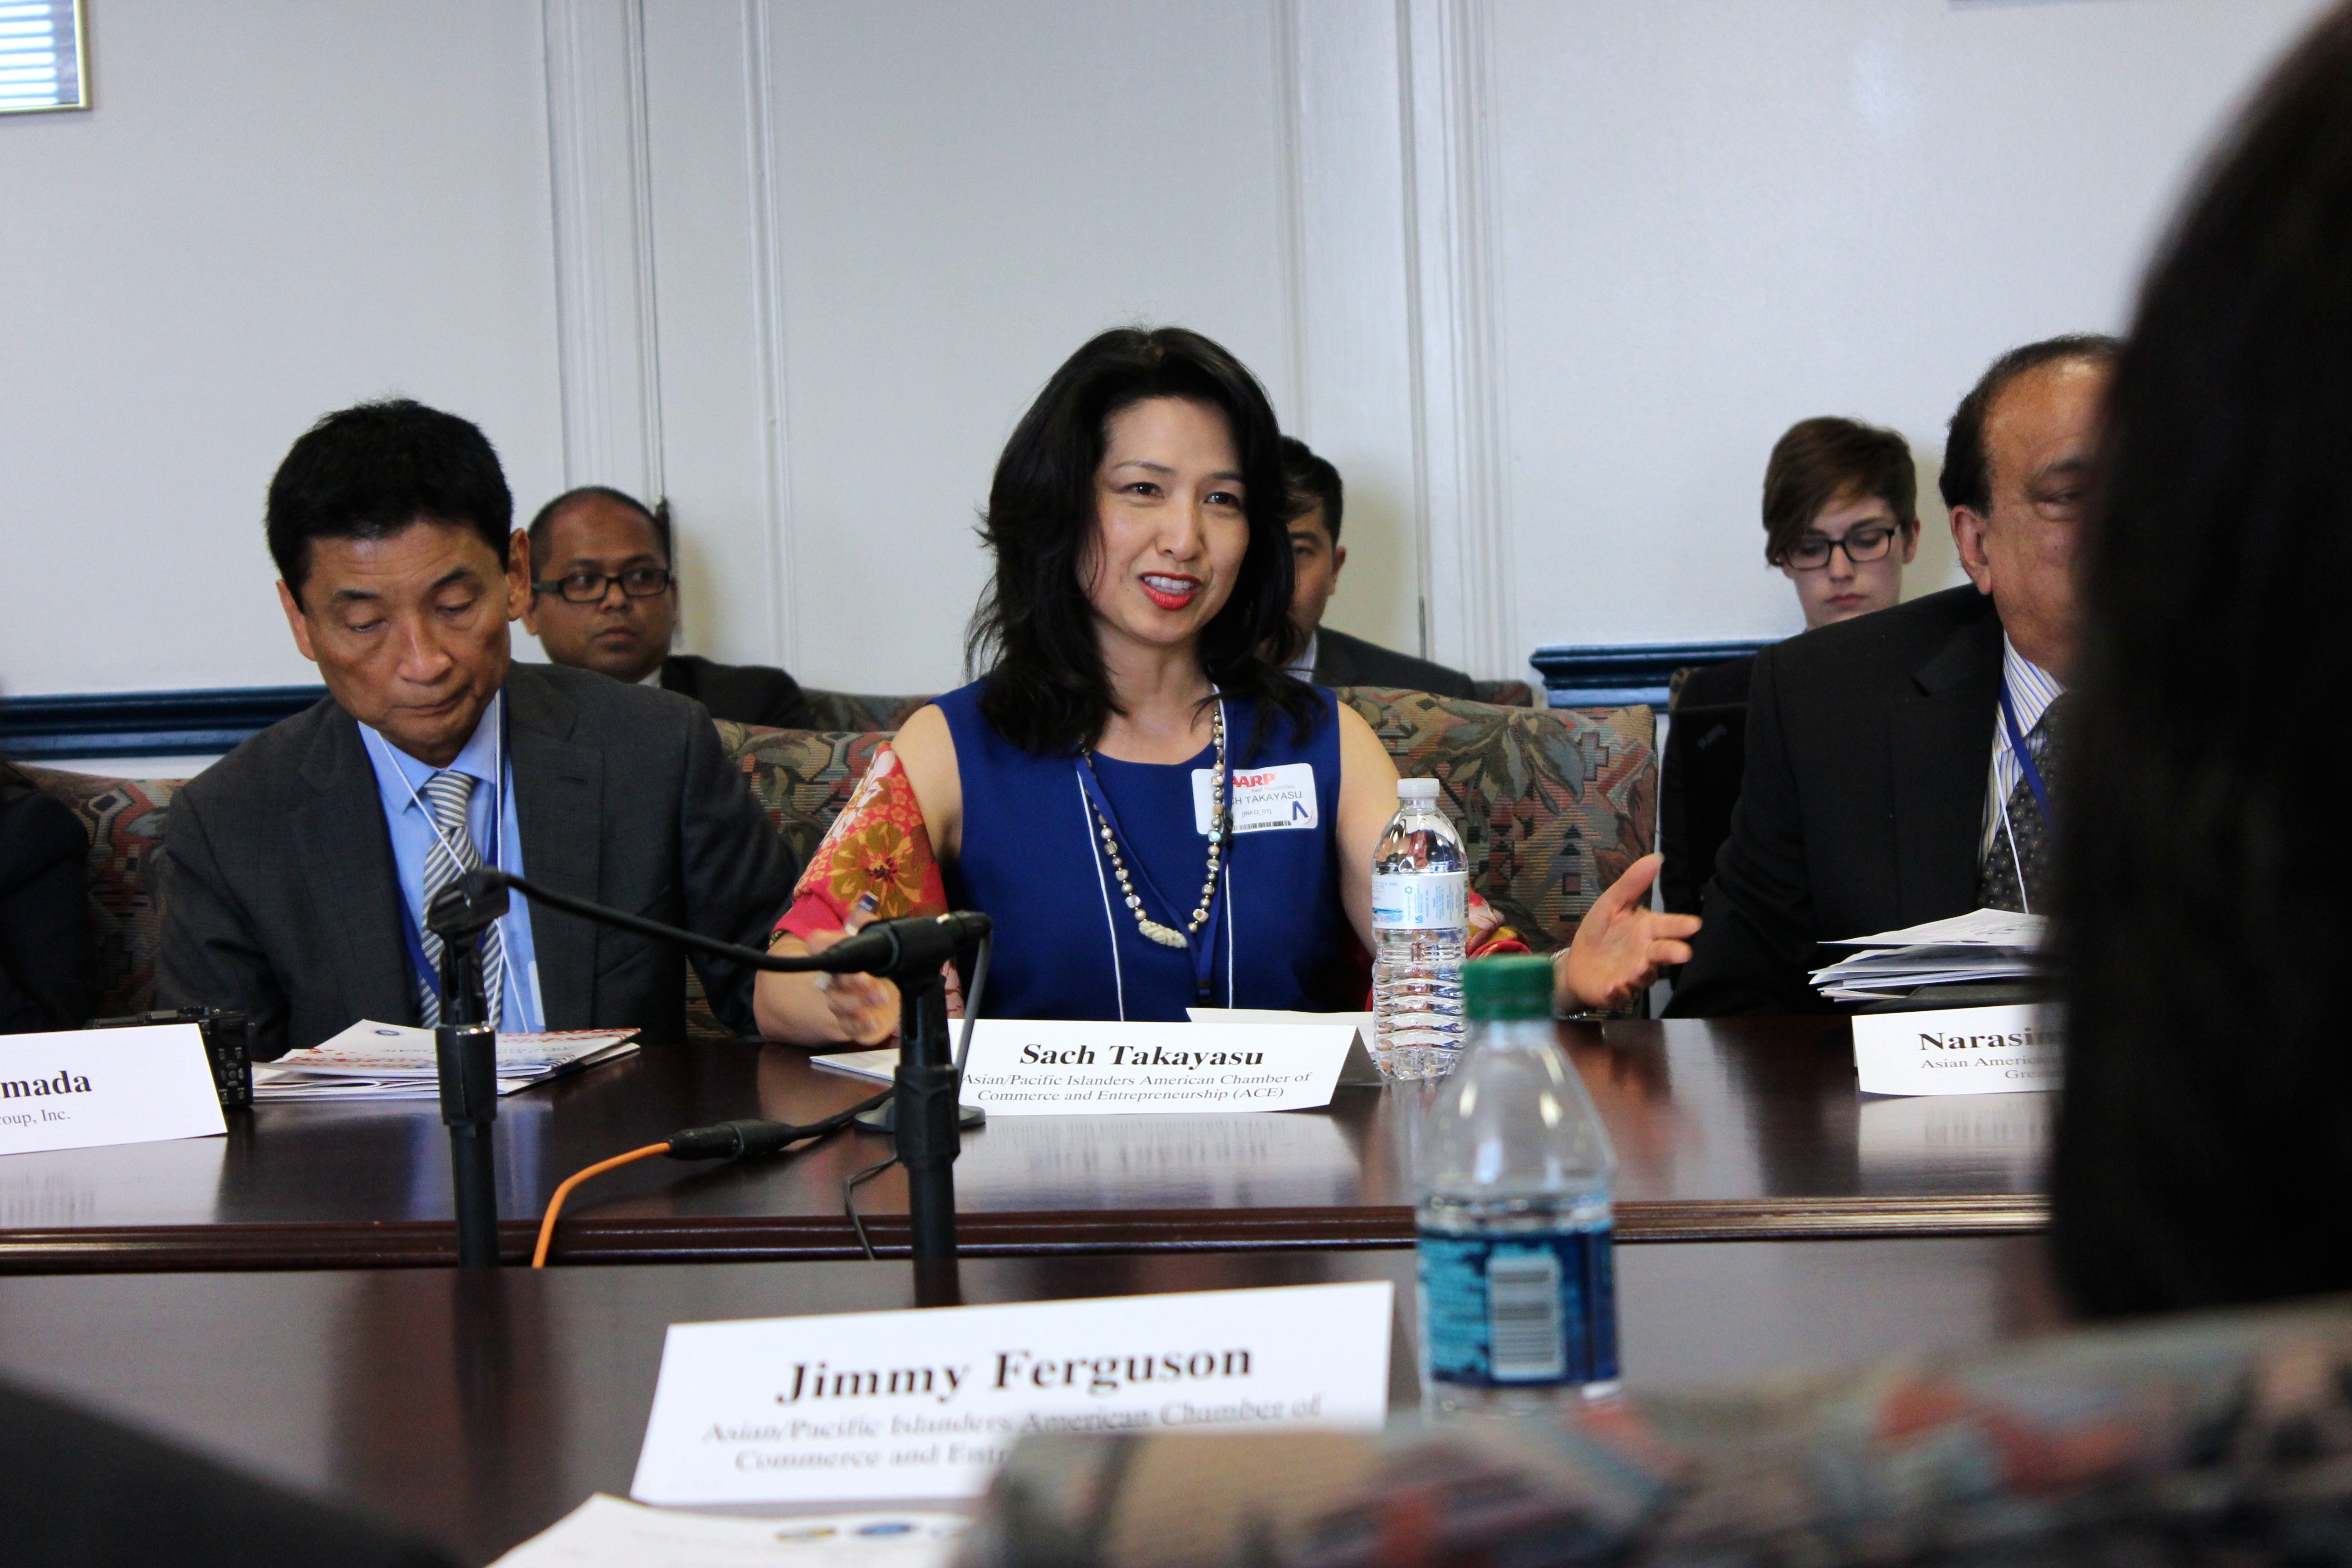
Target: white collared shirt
[2033, 689]
[1303, 666]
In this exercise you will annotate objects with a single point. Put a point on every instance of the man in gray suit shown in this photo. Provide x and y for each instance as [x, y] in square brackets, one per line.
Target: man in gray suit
[295, 870]
[1332, 658]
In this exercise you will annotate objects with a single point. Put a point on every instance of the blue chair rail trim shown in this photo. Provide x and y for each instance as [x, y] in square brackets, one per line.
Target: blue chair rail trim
[1611, 676]
[146, 724]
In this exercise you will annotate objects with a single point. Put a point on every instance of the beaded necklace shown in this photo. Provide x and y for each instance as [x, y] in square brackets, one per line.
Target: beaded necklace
[1168, 936]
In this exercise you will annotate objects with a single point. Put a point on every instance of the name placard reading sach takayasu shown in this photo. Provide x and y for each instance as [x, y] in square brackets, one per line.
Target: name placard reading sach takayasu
[1078, 1069]
[1957, 1050]
[79, 1088]
[876, 1405]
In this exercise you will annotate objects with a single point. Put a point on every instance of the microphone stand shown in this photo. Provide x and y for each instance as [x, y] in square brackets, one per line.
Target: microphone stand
[908, 952]
[466, 1049]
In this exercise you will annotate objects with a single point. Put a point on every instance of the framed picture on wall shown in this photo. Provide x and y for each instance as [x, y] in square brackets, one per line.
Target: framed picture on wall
[44, 64]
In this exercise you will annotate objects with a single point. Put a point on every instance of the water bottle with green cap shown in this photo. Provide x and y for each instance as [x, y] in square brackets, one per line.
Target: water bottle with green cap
[1518, 1300]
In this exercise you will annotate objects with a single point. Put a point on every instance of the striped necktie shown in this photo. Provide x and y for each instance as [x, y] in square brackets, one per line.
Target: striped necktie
[452, 855]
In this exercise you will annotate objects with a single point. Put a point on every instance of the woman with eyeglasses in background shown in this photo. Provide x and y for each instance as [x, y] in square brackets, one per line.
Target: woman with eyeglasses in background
[1841, 522]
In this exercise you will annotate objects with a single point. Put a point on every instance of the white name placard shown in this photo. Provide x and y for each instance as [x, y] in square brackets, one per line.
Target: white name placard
[1956, 1050]
[1075, 1069]
[79, 1088]
[877, 1406]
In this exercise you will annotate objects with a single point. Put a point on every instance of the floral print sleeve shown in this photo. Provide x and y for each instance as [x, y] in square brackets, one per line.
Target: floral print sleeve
[879, 850]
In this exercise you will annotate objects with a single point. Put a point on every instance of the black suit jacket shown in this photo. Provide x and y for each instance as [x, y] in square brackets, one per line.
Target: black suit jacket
[48, 971]
[1707, 753]
[278, 893]
[1868, 746]
[1343, 660]
[746, 693]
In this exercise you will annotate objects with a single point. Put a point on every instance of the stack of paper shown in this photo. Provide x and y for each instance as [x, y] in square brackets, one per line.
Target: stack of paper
[392, 1061]
[1981, 945]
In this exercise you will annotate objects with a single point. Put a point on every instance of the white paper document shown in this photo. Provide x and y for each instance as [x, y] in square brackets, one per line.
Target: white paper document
[882, 1406]
[80, 1089]
[1062, 1067]
[1956, 1050]
[397, 1061]
[606, 1532]
[1981, 946]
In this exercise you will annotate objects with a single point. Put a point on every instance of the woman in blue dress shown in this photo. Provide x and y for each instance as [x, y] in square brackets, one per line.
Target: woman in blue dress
[1153, 813]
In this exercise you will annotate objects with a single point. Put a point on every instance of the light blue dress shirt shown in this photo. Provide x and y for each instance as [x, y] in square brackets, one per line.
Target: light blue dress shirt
[400, 780]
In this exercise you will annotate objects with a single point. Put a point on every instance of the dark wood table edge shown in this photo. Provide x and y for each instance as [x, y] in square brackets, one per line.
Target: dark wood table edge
[425, 1244]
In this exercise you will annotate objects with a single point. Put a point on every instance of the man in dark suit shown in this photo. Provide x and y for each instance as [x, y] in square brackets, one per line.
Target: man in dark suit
[1332, 658]
[602, 597]
[295, 871]
[1882, 790]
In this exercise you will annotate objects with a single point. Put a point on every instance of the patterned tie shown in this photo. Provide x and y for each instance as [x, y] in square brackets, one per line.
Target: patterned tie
[447, 793]
[1997, 881]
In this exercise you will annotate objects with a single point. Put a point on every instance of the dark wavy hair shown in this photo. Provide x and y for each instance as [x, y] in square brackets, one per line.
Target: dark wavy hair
[2204, 1151]
[1046, 690]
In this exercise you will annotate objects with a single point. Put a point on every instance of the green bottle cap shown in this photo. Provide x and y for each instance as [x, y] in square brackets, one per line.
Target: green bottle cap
[1515, 985]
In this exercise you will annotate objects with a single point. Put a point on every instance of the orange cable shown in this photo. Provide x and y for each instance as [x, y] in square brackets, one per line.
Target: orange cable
[555, 1204]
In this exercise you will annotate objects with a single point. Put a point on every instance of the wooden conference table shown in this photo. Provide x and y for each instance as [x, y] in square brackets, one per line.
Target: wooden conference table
[480, 1406]
[1726, 1131]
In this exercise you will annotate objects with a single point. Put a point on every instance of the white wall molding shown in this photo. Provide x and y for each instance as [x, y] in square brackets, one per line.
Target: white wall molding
[1349, 306]
[601, 178]
[1446, 74]
[766, 219]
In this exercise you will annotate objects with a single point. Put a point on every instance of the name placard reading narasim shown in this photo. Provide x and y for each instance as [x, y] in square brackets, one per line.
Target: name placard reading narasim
[1075, 1069]
[877, 1406]
[79, 1088]
[1956, 1050]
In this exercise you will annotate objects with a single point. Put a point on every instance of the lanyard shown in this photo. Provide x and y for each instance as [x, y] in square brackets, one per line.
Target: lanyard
[2024, 758]
[1200, 947]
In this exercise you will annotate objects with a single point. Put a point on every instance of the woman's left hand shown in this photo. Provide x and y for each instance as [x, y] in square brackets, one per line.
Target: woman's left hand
[1622, 943]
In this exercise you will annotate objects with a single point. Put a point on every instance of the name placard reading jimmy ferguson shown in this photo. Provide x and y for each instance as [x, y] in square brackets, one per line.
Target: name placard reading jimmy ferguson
[1956, 1050]
[1075, 1068]
[875, 1405]
[79, 1089]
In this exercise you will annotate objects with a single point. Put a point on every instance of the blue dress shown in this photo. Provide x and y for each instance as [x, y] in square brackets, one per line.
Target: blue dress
[1067, 943]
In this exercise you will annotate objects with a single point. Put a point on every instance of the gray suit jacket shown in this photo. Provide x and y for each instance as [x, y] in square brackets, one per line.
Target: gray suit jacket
[278, 894]
[1343, 660]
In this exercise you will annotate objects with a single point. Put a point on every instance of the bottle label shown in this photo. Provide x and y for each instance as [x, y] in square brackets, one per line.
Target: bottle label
[1421, 901]
[1519, 1309]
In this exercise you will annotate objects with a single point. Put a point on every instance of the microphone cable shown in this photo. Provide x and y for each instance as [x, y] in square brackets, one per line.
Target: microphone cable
[751, 1137]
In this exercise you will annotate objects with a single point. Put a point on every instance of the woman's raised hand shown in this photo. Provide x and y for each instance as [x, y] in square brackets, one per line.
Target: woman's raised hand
[1621, 942]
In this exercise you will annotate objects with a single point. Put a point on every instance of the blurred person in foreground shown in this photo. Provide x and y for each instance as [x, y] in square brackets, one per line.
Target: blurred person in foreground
[1841, 522]
[604, 596]
[2204, 1152]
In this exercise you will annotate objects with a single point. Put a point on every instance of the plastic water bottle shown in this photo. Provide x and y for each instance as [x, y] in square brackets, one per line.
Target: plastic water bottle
[1420, 916]
[1518, 1297]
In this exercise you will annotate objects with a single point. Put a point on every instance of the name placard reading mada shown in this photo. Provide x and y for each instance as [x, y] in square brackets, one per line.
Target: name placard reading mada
[877, 1406]
[1075, 1068]
[79, 1089]
[1956, 1050]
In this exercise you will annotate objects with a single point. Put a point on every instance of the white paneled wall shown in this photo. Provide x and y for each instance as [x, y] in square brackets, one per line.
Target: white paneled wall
[1544, 278]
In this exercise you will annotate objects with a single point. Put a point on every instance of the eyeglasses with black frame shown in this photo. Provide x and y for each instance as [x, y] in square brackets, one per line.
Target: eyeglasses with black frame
[1860, 544]
[590, 587]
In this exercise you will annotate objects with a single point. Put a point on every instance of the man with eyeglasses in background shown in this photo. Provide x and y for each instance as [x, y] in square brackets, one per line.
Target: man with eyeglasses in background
[603, 598]
[1901, 763]
[1841, 522]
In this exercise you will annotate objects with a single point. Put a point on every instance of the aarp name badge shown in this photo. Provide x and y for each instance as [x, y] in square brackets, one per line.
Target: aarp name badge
[1264, 799]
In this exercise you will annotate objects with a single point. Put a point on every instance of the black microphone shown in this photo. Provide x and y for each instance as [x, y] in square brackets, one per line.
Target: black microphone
[907, 945]
[909, 951]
